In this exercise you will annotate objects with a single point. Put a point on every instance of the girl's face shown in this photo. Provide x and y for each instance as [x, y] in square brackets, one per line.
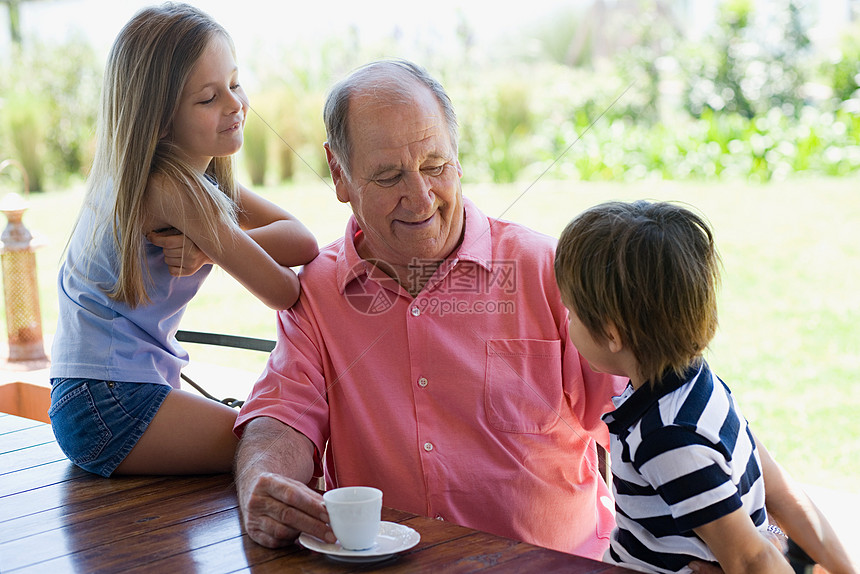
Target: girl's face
[212, 107]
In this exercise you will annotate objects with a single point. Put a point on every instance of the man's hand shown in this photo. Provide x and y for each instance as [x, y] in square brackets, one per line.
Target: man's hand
[181, 255]
[277, 509]
[274, 464]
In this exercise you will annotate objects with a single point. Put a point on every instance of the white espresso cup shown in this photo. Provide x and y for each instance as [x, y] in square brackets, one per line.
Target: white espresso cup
[354, 513]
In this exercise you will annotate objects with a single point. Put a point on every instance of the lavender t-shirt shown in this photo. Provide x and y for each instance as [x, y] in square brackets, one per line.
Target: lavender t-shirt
[99, 338]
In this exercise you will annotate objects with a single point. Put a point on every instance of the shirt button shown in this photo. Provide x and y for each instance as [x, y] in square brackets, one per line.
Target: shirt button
[422, 382]
[416, 311]
[428, 446]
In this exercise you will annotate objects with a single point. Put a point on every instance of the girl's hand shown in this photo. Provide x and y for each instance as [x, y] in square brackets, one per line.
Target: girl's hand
[181, 255]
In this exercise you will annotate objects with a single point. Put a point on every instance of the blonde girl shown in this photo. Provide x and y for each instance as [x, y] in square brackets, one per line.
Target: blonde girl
[162, 205]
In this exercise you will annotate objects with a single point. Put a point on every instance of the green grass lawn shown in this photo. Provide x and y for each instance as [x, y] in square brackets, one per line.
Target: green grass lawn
[789, 342]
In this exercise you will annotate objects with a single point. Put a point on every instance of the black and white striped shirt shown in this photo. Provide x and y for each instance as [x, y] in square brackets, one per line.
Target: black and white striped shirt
[682, 456]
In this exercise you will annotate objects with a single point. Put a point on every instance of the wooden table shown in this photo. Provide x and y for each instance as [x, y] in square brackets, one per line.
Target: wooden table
[57, 518]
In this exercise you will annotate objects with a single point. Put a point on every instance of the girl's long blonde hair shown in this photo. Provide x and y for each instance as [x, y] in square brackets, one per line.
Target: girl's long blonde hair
[147, 69]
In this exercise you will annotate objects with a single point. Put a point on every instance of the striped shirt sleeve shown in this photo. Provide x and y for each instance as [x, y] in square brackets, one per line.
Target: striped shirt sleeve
[691, 475]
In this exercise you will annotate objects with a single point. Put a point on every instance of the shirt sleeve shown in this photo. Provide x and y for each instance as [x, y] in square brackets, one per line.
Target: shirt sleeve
[292, 387]
[691, 476]
[590, 393]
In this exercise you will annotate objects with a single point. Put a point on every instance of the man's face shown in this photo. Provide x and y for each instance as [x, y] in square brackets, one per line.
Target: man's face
[404, 185]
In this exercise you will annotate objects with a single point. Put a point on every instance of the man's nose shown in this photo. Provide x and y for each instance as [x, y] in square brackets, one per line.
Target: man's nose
[418, 196]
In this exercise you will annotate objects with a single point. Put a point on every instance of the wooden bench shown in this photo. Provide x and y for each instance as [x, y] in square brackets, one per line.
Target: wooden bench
[24, 399]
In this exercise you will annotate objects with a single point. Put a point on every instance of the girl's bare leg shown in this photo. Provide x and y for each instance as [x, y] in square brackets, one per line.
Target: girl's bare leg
[189, 434]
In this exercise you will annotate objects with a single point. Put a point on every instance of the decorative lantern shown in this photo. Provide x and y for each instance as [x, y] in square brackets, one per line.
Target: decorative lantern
[20, 287]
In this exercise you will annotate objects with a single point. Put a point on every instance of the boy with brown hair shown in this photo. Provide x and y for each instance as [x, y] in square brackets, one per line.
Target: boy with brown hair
[640, 281]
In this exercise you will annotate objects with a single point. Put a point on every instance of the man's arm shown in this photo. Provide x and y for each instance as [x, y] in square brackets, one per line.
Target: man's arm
[274, 464]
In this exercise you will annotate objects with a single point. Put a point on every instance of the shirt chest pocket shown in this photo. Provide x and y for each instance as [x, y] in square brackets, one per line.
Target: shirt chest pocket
[523, 386]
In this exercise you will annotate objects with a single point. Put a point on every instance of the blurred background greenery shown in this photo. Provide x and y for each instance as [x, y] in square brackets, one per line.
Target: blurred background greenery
[748, 119]
[751, 97]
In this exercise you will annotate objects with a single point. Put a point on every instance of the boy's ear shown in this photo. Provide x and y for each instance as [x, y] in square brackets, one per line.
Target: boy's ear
[613, 338]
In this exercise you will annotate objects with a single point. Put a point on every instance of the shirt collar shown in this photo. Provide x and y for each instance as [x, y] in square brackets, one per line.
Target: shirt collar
[643, 398]
[476, 246]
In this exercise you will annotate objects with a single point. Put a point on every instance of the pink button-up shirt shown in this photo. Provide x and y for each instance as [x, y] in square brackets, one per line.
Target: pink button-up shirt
[466, 403]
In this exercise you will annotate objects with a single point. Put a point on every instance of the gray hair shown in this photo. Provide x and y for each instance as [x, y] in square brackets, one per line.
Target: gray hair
[337, 102]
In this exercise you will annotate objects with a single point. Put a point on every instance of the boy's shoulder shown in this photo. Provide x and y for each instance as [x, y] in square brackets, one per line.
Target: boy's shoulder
[687, 402]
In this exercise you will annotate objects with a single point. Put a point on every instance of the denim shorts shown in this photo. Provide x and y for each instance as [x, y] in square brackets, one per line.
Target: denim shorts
[97, 423]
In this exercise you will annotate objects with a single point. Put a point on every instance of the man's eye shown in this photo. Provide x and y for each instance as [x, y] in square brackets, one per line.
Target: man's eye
[435, 170]
[387, 181]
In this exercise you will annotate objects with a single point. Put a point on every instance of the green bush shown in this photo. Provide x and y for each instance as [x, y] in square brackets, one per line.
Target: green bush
[844, 70]
[255, 149]
[661, 107]
[26, 126]
[738, 71]
[283, 134]
[60, 85]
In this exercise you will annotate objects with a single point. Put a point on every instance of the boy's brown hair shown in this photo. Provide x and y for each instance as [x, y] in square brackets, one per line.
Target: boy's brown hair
[649, 269]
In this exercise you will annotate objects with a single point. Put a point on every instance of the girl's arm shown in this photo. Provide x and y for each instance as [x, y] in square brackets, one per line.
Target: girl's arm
[280, 234]
[182, 257]
[797, 515]
[266, 275]
[739, 547]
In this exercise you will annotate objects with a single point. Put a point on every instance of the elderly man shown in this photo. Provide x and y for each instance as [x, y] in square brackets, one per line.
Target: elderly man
[428, 355]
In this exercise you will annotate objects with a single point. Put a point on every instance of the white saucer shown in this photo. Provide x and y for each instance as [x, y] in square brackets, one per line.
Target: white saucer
[392, 538]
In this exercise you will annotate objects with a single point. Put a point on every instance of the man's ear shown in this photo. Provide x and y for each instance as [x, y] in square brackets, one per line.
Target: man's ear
[337, 175]
[613, 338]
